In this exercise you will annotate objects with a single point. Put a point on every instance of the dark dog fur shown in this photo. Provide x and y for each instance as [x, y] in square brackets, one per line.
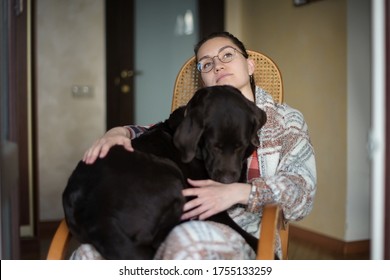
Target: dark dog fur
[126, 203]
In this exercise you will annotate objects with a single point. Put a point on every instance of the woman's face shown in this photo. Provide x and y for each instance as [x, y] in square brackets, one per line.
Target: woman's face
[234, 73]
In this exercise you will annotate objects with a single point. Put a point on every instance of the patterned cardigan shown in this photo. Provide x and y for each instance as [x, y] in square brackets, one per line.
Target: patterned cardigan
[287, 169]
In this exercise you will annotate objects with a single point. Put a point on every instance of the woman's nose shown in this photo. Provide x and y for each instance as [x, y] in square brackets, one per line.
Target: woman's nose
[218, 65]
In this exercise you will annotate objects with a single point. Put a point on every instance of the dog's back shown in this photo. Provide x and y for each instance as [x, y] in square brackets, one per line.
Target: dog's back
[114, 203]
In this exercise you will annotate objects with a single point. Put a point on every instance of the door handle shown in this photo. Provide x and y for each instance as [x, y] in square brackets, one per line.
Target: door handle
[122, 80]
[129, 73]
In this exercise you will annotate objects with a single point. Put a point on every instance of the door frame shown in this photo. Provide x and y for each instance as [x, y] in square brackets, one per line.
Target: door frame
[387, 133]
[22, 198]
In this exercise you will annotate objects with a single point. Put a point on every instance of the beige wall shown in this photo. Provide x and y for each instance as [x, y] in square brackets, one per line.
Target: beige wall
[309, 44]
[70, 51]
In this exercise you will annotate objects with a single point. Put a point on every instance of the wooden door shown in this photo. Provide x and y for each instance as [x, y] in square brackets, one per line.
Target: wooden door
[119, 62]
[211, 16]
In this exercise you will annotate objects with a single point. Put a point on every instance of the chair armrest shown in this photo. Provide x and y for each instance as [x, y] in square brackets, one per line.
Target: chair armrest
[272, 221]
[59, 243]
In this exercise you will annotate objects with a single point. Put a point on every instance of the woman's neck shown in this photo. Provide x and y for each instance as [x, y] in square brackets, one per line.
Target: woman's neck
[247, 92]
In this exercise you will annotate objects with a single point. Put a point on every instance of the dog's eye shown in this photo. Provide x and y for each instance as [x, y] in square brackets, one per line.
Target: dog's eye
[238, 146]
[218, 146]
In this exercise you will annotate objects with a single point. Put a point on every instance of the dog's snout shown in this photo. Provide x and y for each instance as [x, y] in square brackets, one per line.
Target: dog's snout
[226, 177]
[227, 180]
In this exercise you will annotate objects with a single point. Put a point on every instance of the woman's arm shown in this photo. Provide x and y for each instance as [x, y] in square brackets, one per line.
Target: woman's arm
[121, 135]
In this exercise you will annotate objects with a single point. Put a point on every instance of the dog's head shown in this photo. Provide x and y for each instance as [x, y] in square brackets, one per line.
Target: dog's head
[221, 126]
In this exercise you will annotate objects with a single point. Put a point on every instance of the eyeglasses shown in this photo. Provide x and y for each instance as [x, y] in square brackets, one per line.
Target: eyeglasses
[225, 55]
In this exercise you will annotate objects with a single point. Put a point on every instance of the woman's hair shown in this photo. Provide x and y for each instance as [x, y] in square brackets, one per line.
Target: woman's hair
[235, 41]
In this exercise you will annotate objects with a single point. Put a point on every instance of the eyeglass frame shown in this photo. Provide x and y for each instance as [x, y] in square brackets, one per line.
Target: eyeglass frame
[212, 58]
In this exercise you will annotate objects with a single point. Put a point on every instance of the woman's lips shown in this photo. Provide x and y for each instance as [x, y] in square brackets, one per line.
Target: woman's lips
[222, 77]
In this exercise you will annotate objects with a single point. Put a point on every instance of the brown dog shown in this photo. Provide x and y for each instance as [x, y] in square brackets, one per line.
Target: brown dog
[126, 203]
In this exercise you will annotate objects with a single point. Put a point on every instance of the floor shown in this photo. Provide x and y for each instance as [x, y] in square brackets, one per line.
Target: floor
[298, 250]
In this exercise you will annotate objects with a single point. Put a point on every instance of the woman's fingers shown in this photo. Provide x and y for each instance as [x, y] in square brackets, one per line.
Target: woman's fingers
[212, 197]
[201, 207]
[201, 183]
[92, 153]
[197, 210]
[102, 146]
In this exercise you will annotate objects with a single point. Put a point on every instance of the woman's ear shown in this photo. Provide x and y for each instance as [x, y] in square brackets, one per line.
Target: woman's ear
[251, 66]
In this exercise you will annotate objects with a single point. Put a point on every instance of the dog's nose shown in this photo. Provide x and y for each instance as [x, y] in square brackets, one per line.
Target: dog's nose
[228, 178]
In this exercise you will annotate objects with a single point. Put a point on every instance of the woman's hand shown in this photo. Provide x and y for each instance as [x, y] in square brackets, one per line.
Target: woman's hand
[212, 197]
[114, 136]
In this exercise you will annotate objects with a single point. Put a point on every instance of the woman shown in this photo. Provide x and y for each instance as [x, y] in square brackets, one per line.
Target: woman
[282, 171]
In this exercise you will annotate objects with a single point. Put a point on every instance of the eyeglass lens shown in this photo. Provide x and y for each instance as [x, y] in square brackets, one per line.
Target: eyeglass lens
[225, 56]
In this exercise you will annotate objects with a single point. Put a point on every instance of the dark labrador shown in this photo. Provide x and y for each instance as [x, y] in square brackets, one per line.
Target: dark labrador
[126, 203]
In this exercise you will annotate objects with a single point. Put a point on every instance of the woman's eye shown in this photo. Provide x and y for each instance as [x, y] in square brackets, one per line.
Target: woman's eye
[228, 54]
[207, 65]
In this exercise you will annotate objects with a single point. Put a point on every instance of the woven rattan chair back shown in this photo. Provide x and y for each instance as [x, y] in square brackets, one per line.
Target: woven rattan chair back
[266, 74]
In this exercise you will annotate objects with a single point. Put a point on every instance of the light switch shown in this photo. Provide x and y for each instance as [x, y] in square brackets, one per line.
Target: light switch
[82, 91]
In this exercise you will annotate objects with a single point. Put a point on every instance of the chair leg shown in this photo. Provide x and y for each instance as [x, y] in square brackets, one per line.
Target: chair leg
[59, 243]
[269, 225]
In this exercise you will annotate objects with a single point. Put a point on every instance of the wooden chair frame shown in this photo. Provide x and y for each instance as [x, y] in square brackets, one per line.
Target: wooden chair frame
[268, 77]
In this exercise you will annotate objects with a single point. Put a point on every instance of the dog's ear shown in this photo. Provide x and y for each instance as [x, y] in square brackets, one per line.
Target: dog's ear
[188, 134]
[176, 117]
[190, 130]
[259, 120]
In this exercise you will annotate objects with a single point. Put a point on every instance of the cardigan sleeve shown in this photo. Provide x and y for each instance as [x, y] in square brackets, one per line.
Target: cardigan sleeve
[287, 167]
[136, 130]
